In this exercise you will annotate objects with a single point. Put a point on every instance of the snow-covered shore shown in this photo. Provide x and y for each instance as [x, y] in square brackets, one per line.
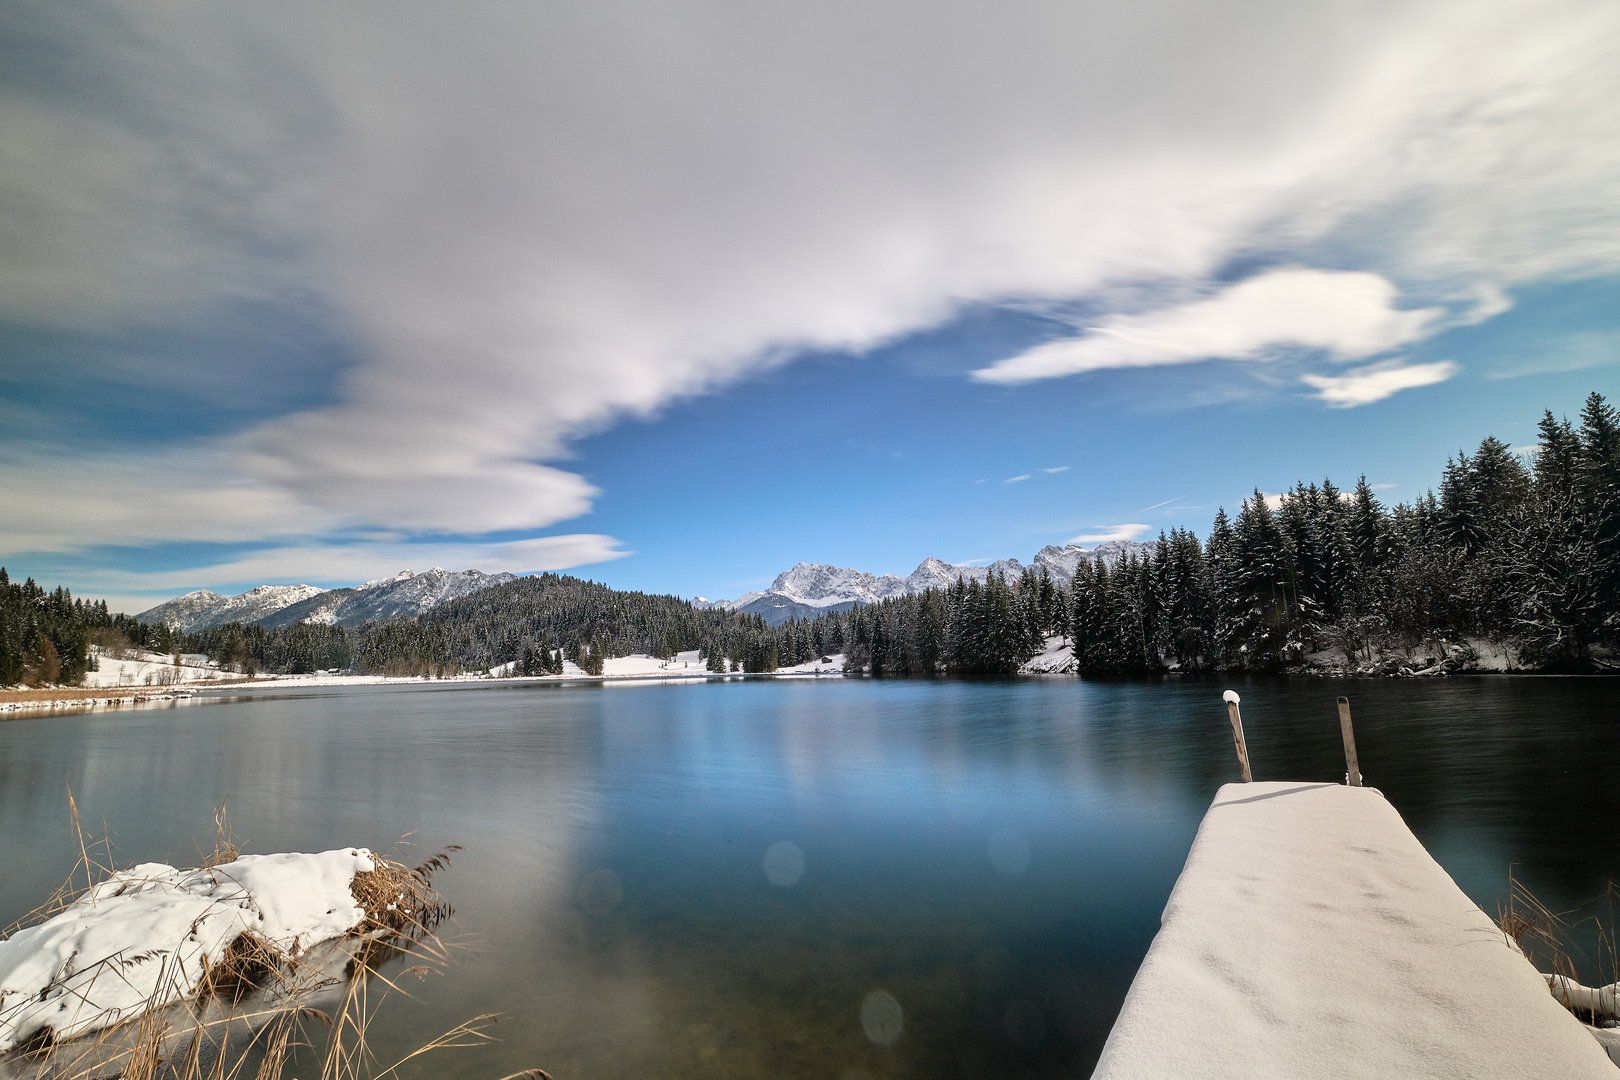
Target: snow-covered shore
[145, 937]
[1428, 659]
[200, 680]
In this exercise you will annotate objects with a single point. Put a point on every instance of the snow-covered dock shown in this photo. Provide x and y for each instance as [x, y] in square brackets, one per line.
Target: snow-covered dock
[1310, 934]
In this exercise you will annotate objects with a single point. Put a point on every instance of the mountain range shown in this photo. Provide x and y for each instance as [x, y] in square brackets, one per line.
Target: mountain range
[811, 589]
[272, 606]
[803, 592]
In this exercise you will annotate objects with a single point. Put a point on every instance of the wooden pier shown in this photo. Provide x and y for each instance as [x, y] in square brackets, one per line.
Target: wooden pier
[1311, 935]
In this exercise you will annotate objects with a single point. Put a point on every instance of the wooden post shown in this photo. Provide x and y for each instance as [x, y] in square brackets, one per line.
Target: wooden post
[1352, 770]
[1231, 698]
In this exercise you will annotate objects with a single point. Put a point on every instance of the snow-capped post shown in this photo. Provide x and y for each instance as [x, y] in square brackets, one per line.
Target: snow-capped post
[1352, 770]
[1231, 698]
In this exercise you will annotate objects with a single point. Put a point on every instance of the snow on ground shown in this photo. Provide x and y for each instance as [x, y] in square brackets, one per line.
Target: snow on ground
[822, 665]
[639, 664]
[145, 935]
[152, 669]
[683, 664]
[1310, 934]
[155, 670]
[1055, 658]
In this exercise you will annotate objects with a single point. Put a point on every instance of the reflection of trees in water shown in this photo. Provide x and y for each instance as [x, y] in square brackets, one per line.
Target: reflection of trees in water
[1529, 767]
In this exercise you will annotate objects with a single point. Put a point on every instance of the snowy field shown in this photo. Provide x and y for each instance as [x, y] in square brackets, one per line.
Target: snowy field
[140, 668]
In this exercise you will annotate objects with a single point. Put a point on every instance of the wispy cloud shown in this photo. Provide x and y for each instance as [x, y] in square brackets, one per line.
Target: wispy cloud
[1363, 386]
[1563, 352]
[1016, 479]
[1106, 533]
[1156, 505]
[1348, 314]
[1058, 469]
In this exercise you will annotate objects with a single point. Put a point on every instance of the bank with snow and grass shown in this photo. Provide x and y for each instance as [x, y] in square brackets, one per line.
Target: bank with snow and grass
[154, 936]
[1311, 934]
[148, 936]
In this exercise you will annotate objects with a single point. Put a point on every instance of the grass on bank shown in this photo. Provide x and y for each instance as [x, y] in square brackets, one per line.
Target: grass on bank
[1567, 946]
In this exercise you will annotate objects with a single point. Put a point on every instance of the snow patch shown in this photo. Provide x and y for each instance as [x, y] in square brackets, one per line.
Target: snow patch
[1056, 658]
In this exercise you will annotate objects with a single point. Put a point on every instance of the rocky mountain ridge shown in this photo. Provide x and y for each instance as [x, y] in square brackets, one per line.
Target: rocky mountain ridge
[272, 606]
[201, 609]
[809, 589]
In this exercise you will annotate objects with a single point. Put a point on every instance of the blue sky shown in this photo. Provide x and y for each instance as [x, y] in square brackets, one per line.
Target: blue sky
[676, 300]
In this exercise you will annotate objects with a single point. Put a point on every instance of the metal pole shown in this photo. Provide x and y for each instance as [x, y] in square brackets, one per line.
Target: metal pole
[1231, 698]
[1352, 769]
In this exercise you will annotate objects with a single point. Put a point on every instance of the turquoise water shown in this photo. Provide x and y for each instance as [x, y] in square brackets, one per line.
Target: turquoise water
[843, 878]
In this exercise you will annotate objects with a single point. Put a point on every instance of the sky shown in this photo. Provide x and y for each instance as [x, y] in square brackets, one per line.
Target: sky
[674, 296]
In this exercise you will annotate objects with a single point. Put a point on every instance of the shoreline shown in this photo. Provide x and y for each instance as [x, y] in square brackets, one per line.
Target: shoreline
[15, 701]
[21, 702]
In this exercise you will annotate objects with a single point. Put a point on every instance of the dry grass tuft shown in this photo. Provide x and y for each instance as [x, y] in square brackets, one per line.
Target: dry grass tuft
[1551, 941]
[399, 899]
[225, 849]
[250, 963]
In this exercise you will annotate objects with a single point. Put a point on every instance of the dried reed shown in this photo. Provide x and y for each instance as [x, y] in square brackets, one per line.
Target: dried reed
[1552, 942]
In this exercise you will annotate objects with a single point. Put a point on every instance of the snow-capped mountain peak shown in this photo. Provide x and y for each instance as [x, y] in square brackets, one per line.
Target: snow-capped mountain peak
[201, 609]
[377, 583]
[405, 593]
[808, 588]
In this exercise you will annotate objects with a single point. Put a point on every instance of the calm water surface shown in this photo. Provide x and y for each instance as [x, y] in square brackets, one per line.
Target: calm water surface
[713, 879]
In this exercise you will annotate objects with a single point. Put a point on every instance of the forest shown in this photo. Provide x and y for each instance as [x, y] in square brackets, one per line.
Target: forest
[1521, 549]
[1526, 555]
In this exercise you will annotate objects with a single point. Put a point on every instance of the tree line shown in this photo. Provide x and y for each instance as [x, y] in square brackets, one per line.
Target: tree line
[1525, 555]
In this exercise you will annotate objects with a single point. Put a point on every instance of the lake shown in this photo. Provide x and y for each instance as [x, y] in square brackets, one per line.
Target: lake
[831, 878]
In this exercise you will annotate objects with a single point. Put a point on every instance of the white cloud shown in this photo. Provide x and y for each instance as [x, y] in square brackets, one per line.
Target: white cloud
[1348, 314]
[57, 502]
[1365, 385]
[535, 220]
[1109, 532]
[1016, 479]
[1058, 469]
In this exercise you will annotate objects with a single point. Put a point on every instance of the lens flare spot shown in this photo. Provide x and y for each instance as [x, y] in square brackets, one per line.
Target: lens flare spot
[881, 1018]
[784, 864]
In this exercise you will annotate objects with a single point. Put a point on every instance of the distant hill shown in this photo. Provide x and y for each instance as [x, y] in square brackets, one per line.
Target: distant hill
[810, 589]
[273, 606]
